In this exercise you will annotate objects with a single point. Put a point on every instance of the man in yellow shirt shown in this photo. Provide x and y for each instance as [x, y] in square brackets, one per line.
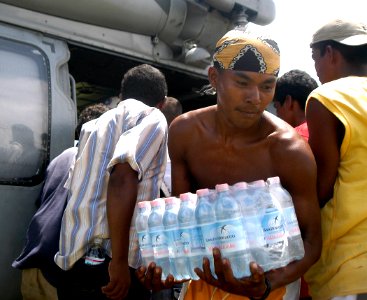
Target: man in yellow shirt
[337, 120]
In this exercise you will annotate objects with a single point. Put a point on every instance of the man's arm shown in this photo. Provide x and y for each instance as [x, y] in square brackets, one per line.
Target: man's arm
[121, 200]
[326, 134]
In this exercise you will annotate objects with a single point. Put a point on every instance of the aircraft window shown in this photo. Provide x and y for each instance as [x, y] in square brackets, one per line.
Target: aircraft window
[24, 113]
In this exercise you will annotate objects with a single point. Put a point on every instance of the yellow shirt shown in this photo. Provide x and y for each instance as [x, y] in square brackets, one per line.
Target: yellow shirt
[342, 268]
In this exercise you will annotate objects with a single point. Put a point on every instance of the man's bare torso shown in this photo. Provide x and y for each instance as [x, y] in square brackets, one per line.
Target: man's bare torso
[212, 157]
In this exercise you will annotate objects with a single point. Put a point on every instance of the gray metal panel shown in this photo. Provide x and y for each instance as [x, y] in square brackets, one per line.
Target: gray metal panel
[17, 203]
[137, 46]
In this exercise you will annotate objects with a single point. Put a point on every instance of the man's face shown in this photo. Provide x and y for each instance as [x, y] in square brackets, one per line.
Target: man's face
[242, 96]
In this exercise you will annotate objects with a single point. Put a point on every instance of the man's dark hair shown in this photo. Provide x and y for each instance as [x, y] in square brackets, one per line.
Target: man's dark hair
[171, 109]
[89, 113]
[352, 54]
[144, 83]
[297, 84]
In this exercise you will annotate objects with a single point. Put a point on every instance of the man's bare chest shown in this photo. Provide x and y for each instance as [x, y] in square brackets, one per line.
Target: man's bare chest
[214, 164]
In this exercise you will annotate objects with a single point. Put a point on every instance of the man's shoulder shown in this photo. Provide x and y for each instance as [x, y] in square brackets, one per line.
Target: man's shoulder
[289, 153]
[132, 112]
[195, 117]
[282, 136]
[277, 126]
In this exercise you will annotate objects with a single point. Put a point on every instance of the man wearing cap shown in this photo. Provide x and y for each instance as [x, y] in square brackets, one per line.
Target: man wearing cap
[237, 140]
[337, 120]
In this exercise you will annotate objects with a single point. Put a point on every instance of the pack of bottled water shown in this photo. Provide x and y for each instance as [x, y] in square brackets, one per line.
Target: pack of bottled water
[253, 221]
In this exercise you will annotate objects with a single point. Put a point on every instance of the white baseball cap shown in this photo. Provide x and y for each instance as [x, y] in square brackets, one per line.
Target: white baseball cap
[343, 31]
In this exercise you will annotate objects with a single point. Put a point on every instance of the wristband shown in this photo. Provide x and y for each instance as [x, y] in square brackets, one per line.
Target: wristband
[267, 291]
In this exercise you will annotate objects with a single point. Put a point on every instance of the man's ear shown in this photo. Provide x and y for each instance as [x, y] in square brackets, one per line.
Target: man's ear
[332, 54]
[288, 102]
[213, 77]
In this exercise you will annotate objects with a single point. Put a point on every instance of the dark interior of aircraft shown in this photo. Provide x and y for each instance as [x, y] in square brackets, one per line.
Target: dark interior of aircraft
[98, 77]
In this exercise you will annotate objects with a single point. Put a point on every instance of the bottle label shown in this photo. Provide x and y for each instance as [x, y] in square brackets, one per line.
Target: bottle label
[273, 227]
[227, 235]
[197, 241]
[184, 246]
[173, 242]
[291, 221]
[159, 244]
[191, 241]
[145, 244]
[255, 234]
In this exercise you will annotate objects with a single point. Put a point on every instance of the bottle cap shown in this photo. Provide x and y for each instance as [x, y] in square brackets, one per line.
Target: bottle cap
[240, 185]
[156, 202]
[272, 180]
[257, 183]
[143, 204]
[185, 197]
[202, 192]
[222, 187]
[170, 200]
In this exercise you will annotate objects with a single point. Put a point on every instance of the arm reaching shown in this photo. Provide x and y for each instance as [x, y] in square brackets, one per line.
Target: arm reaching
[121, 199]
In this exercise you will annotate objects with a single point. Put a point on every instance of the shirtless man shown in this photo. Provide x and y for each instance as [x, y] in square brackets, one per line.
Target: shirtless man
[236, 140]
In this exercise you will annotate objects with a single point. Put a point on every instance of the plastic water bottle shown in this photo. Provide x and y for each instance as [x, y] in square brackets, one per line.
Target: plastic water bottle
[252, 212]
[170, 223]
[274, 230]
[96, 254]
[230, 234]
[295, 242]
[158, 236]
[192, 244]
[141, 225]
[205, 219]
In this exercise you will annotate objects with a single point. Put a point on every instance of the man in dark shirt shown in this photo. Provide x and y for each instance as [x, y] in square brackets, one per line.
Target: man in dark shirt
[40, 273]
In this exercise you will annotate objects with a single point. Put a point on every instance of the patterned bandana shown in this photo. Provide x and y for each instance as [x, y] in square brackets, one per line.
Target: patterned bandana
[237, 50]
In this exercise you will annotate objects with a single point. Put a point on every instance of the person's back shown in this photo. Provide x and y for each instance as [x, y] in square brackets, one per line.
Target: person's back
[336, 113]
[44, 231]
[103, 135]
[120, 161]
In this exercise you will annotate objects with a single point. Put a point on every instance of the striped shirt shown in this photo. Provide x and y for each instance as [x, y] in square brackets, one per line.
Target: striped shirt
[133, 133]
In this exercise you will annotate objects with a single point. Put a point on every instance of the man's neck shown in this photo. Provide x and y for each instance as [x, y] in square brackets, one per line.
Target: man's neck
[299, 119]
[353, 70]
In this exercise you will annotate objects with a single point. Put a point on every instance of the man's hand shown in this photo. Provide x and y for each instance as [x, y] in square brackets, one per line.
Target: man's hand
[253, 286]
[151, 278]
[119, 284]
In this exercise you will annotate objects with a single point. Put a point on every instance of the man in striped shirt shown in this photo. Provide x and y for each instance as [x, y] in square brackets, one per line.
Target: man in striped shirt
[121, 161]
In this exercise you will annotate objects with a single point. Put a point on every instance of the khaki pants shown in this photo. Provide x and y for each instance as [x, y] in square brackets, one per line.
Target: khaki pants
[36, 287]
